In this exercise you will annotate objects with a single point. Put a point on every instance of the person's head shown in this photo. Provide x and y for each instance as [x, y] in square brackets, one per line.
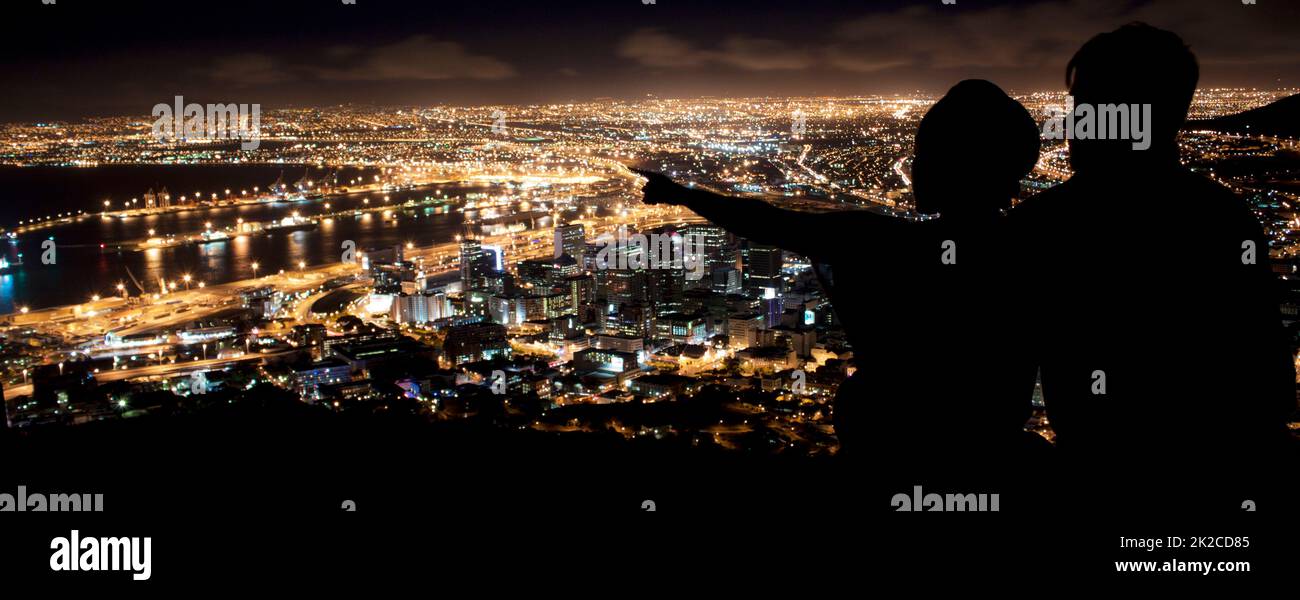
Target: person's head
[1136, 64]
[972, 149]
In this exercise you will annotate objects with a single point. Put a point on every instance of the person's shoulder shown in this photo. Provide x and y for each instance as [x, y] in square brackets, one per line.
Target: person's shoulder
[1043, 205]
[1198, 187]
[1213, 200]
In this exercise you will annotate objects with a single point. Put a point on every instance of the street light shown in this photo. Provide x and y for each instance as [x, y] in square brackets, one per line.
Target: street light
[255, 266]
[186, 277]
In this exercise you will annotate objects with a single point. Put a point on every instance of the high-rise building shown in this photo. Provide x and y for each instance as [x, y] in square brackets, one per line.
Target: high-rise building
[742, 330]
[667, 288]
[536, 272]
[725, 280]
[510, 310]
[475, 264]
[389, 276]
[420, 308]
[581, 290]
[570, 239]
[626, 286]
[715, 242]
[681, 328]
[763, 268]
[629, 319]
[310, 335]
[475, 342]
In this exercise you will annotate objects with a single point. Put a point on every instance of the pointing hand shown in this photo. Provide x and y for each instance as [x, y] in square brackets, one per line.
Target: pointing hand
[659, 189]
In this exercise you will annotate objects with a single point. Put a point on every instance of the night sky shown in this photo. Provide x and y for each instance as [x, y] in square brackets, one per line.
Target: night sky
[96, 57]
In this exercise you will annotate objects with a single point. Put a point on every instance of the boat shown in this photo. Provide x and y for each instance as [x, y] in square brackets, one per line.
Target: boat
[209, 237]
[294, 223]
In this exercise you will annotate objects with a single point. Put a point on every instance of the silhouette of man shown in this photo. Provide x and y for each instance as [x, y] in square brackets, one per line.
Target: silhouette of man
[939, 387]
[1154, 307]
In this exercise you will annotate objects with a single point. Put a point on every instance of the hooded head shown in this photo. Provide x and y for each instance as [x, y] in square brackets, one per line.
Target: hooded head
[972, 149]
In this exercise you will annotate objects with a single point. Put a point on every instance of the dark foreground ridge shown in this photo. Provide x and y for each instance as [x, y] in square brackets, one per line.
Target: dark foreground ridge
[1280, 118]
[232, 479]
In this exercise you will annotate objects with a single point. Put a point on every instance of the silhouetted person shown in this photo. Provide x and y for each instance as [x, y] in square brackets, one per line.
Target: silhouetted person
[1156, 279]
[939, 387]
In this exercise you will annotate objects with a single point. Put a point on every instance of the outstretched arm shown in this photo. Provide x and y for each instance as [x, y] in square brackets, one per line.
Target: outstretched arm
[819, 236]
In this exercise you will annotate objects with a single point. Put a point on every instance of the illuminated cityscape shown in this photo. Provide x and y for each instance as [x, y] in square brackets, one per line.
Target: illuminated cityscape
[506, 303]
[316, 292]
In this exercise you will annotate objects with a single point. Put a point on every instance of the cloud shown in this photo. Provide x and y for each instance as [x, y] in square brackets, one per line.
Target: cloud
[653, 48]
[248, 69]
[417, 58]
[761, 55]
[947, 37]
[1038, 37]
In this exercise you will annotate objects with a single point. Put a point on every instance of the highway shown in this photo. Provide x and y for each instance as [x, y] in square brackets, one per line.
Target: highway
[167, 368]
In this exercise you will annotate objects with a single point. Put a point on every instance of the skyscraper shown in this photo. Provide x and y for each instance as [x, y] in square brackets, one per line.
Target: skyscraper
[719, 253]
[763, 269]
[570, 239]
[475, 264]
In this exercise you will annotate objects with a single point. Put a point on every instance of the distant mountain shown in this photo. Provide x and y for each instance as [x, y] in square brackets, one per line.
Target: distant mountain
[1281, 118]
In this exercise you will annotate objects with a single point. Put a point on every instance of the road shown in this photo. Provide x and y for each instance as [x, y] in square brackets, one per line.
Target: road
[167, 368]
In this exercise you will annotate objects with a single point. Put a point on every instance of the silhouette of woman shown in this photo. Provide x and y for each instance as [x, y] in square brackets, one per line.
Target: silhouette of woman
[942, 384]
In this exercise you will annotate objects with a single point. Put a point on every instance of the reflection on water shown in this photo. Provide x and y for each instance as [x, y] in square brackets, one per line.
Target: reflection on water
[83, 269]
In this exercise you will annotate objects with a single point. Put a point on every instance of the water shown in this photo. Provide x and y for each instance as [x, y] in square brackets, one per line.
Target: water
[83, 269]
